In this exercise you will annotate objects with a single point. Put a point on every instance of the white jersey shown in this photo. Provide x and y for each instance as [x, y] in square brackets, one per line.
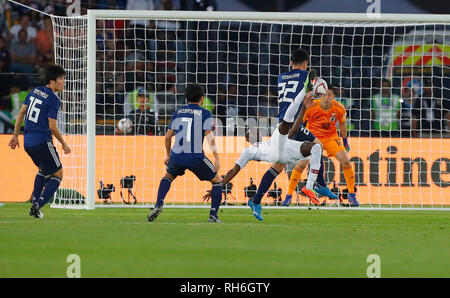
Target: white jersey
[261, 152]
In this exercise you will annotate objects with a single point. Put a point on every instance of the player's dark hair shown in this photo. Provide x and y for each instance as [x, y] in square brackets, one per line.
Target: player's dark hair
[194, 92]
[299, 56]
[53, 72]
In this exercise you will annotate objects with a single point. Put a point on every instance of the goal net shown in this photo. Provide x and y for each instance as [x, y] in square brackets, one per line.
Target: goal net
[391, 74]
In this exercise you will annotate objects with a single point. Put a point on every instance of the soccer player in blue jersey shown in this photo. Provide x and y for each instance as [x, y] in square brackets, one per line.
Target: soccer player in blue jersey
[288, 88]
[293, 87]
[40, 111]
[190, 124]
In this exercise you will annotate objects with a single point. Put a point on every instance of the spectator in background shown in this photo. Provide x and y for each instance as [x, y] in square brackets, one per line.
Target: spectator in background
[5, 80]
[132, 103]
[35, 17]
[204, 5]
[60, 7]
[112, 4]
[45, 44]
[5, 58]
[209, 104]
[23, 56]
[430, 114]
[10, 105]
[385, 112]
[18, 94]
[407, 101]
[159, 4]
[24, 24]
[143, 117]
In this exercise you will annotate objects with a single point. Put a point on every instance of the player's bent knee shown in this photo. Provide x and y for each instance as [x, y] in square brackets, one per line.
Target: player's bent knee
[316, 141]
[167, 175]
[346, 163]
[315, 149]
[343, 159]
[59, 174]
[279, 167]
[306, 148]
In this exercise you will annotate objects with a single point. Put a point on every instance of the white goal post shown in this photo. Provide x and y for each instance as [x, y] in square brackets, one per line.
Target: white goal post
[353, 51]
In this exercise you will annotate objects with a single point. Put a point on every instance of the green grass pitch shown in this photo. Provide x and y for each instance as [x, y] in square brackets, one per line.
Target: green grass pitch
[117, 242]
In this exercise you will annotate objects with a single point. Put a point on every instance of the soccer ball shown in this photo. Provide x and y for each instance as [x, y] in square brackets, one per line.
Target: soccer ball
[125, 125]
[320, 88]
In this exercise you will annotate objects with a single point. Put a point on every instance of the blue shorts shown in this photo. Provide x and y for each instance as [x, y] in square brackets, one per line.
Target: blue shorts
[303, 134]
[203, 168]
[45, 157]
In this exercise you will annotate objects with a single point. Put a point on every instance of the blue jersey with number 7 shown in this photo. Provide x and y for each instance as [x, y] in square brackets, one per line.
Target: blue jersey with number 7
[289, 86]
[41, 104]
[189, 123]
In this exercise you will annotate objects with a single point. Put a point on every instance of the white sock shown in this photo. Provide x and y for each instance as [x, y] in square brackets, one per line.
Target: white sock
[289, 116]
[314, 165]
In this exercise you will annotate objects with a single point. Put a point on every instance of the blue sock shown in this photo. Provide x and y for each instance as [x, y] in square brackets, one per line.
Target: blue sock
[321, 175]
[50, 189]
[39, 183]
[265, 184]
[163, 189]
[216, 198]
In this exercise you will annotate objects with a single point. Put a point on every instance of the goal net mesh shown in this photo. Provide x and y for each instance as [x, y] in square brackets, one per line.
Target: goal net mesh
[393, 79]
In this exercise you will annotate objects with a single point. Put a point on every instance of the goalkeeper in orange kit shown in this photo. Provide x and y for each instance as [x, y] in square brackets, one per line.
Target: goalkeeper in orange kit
[321, 118]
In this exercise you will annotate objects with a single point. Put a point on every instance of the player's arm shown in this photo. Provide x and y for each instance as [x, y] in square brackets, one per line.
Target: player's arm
[230, 174]
[15, 138]
[168, 144]
[55, 131]
[343, 131]
[212, 144]
[306, 104]
[226, 179]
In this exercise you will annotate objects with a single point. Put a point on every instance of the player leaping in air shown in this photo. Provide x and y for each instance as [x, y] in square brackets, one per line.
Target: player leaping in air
[279, 150]
[321, 118]
[288, 88]
[292, 88]
[40, 111]
[190, 124]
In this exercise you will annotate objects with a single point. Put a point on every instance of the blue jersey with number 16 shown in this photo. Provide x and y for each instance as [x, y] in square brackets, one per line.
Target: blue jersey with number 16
[41, 104]
[289, 86]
